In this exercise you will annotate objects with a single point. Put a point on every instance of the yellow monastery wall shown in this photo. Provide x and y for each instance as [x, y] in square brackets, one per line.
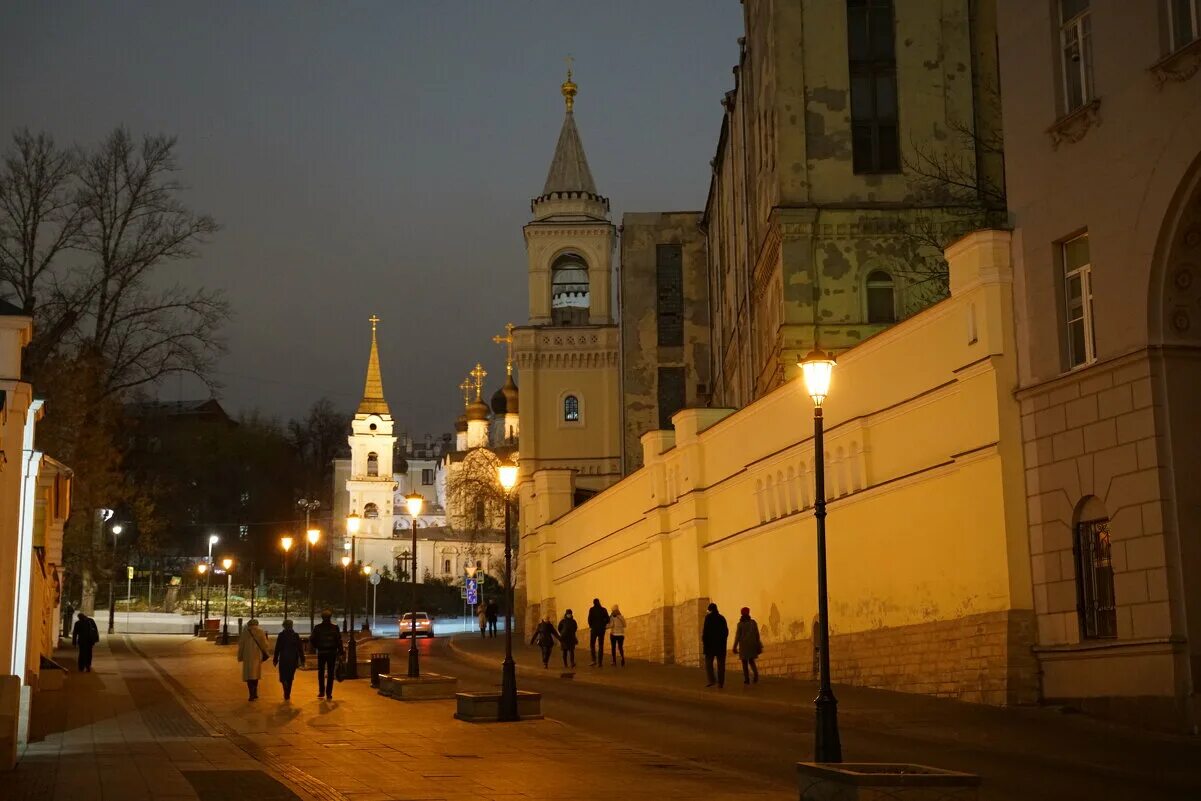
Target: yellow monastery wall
[927, 556]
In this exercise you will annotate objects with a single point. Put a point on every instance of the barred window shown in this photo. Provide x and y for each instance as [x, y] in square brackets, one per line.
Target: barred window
[1094, 581]
[571, 409]
[669, 283]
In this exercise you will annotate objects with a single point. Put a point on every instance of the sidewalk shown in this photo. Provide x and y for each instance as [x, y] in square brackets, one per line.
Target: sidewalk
[881, 725]
[166, 718]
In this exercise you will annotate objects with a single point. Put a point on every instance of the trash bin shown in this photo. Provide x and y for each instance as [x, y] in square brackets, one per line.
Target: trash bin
[380, 663]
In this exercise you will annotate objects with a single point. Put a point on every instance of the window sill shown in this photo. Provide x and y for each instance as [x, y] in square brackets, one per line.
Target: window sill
[1072, 127]
[1178, 66]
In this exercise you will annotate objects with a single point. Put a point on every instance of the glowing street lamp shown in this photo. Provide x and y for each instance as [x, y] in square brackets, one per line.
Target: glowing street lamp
[312, 536]
[353, 523]
[116, 529]
[413, 503]
[506, 473]
[203, 569]
[817, 369]
[367, 570]
[285, 542]
[228, 564]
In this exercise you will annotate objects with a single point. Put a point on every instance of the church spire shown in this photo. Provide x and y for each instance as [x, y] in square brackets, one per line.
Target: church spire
[373, 389]
[569, 169]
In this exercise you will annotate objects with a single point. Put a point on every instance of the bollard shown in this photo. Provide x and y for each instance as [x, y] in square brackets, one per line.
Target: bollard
[239, 627]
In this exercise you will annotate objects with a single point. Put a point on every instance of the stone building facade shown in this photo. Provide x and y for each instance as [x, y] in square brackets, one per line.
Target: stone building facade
[859, 140]
[663, 294]
[1103, 171]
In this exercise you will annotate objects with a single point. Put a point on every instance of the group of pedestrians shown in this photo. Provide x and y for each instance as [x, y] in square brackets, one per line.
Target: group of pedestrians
[715, 637]
[288, 655]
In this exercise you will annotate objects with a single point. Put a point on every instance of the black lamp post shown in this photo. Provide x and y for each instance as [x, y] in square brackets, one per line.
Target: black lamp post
[203, 568]
[285, 542]
[112, 612]
[228, 564]
[414, 502]
[213, 538]
[507, 710]
[817, 368]
[311, 537]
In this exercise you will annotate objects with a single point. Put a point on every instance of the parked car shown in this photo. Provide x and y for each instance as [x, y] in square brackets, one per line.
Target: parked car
[425, 625]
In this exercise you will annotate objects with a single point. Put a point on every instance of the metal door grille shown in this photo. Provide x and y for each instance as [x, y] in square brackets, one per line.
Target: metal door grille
[1094, 581]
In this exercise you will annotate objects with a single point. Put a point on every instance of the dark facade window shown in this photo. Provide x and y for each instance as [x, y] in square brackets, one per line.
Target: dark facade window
[571, 408]
[569, 298]
[672, 396]
[479, 513]
[881, 298]
[427, 476]
[1094, 581]
[669, 283]
[373, 464]
[371, 511]
[875, 141]
[1076, 53]
[1184, 23]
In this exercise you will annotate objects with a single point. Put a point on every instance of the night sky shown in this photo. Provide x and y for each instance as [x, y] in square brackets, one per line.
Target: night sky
[376, 158]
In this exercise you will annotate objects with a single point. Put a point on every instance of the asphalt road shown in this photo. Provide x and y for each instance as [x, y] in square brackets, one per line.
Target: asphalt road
[767, 744]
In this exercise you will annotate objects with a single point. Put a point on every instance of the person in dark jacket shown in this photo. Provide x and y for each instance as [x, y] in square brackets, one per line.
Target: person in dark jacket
[85, 635]
[598, 621]
[544, 637]
[326, 642]
[289, 655]
[567, 637]
[713, 642]
[491, 613]
[748, 645]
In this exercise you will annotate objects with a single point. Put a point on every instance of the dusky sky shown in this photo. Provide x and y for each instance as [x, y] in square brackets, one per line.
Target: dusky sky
[376, 157]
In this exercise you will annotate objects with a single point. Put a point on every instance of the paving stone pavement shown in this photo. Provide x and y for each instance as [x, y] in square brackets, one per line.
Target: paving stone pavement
[163, 718]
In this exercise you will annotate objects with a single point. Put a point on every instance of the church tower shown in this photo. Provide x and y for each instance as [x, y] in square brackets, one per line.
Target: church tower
[567, 355]
[371, 482]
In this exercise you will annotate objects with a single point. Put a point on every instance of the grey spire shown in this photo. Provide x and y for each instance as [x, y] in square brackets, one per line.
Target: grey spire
[569, 170]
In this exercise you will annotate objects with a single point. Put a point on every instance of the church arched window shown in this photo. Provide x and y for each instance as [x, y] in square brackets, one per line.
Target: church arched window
[479, 513]
[373, 464]
[371, 511]
[881, 298]
[569, 299]
[571, 409]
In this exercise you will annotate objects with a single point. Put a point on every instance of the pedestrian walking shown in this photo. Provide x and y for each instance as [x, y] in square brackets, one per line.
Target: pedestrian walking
[568, 640]
[617, 635]
[714, 636]
[598, 621]
[748, 645]
[483, 619]
[289, 655]
[85, 635]
[253, 651]
[326, 642]
[544, 637]
[491, 613]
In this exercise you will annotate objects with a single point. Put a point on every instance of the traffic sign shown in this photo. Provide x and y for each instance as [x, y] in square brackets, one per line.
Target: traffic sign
[473, 591]
[375, 579]
[129, 571]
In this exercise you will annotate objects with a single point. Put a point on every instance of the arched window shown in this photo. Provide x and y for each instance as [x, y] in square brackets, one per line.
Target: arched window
[373, 464]
[571, 409]
[371, 511]
[1095, 598]
[446, 567]
[479, 513]
[881, 298]
[569, 300]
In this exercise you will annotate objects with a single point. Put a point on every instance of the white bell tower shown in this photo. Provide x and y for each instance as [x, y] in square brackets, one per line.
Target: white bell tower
[371, 483]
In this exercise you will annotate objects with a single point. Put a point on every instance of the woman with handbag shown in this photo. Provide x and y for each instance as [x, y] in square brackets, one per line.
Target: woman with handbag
[253, 651]
[748, 645]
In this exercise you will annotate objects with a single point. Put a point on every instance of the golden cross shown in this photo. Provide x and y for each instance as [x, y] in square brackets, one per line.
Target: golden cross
[373, 319]
[465, 388]
[569, 61]
[507, 341]
[479, 374]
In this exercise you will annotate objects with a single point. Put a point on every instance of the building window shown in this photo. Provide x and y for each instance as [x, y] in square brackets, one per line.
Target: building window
[371, 511]
[881, 298]
[1094, 581]
[1078, 291]
[479, 564]
[427, 476]
[479, 513]
[875, 143]
[373, 464]
[1184, 24]
[1076, 53]
[446, 567]
[672, 395]
[669, 282]
[569, 291]
[571, 409]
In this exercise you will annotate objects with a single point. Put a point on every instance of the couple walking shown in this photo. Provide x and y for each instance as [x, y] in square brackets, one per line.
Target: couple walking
[747, 645]
[566, 633]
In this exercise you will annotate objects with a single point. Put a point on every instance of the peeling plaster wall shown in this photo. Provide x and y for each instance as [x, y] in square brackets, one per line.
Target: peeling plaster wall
[792, 232]
[641, 354]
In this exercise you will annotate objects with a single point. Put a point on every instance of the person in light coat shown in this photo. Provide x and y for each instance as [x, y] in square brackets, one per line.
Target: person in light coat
[617, 635]
[748, 645]
[252, 652]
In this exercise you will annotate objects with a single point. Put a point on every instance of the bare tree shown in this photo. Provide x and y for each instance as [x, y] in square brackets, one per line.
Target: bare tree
[474, 497]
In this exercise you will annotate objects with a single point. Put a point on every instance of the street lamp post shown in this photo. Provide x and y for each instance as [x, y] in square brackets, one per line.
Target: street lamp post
[203, 569]
[351, 655]
[286, 544]
[817, 368]
[507, 710]
[367, 570]
[353, 522]
[413, 503]
[228, 564]
[311, 537]
[112, 611]
[213, 538]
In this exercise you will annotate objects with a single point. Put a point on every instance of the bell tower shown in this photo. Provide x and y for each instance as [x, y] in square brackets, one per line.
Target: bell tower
[371, 482]
[567, 355]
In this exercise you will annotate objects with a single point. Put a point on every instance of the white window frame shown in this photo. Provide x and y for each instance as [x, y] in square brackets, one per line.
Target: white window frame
[1080, 26]
[1083, 273]
[1194, 25]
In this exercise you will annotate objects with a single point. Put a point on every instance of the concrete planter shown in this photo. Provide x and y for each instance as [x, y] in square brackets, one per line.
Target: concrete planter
[484, 707]
[883, 781]
[424, 687]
